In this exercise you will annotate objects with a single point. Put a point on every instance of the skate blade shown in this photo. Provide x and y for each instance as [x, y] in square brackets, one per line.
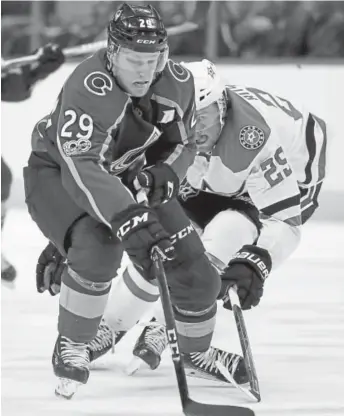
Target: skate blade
[135, 364]
[227, 375]
[66, 388]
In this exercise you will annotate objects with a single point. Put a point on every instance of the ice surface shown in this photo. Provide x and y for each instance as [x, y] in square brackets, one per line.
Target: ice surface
[297, 337]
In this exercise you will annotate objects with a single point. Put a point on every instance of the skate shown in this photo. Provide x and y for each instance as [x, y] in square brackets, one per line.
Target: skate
[203, 365]
[148, 348]
[8, 272]
[153, 341]
[71, 365]
[103, 341]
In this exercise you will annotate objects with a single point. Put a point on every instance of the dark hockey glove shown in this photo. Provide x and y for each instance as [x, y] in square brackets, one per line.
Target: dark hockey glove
[248, 271]
[49, 270]
[50, 58]
[160, 181]
[139, 229]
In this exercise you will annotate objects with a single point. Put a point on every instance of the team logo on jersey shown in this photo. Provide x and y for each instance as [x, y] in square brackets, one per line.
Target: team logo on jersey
[132, 156]
[98, 83]
[251, 137]
[179, 72]
[76, 147]
[186, 191]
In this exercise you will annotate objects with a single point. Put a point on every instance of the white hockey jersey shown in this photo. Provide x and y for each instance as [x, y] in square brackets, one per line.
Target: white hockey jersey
[274, 151]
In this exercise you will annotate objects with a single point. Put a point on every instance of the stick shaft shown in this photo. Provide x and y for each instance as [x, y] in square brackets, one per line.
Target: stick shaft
[171, 329]
[245, 343]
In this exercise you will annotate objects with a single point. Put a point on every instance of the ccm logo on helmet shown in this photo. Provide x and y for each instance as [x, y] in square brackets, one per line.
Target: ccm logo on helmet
[98, 83]
[132, 223]
[146, 41]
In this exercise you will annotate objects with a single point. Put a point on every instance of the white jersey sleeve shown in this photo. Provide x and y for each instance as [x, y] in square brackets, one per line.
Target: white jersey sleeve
[286, 176]
[273, 188]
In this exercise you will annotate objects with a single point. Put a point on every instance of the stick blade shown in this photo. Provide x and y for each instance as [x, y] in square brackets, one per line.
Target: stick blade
[192, 408]
[253, 395]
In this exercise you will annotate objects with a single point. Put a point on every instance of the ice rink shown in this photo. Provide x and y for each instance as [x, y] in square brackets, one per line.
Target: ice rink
[297, 333]
[297, 336]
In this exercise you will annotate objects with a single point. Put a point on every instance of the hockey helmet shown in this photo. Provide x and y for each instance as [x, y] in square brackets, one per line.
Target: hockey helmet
[208, 87]
[139, 28]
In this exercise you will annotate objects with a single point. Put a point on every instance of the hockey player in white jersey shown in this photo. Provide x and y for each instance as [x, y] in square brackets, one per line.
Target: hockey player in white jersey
[254, 183]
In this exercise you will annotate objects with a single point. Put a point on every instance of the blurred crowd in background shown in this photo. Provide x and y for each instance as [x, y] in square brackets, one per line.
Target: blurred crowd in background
[240, 29]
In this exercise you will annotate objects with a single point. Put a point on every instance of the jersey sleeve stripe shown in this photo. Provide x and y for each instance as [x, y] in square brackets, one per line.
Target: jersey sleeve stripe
[293, 221]
[69, 162]
[306, 196]
[174, 155]
[293, 201]
[316, 143]
[312, 195]
[311, 148]
[307, 210]
[322, 156]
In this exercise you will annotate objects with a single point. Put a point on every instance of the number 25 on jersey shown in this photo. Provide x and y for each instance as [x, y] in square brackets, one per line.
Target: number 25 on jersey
[276, 168]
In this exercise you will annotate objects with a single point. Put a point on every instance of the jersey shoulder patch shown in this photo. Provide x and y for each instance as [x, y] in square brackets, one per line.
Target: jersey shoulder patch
[244, 135]
[92, 76]
[176, 86]
[98, 83]
[91, 89]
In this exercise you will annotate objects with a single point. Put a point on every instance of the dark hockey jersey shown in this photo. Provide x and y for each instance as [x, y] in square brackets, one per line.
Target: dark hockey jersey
[96, 133]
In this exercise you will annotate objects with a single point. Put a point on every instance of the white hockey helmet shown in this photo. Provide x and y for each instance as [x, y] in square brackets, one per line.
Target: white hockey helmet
[208, 87]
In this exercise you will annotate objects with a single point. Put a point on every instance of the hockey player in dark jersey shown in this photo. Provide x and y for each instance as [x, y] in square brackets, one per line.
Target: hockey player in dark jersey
[16, 86]
[246, 197]
[125, 116]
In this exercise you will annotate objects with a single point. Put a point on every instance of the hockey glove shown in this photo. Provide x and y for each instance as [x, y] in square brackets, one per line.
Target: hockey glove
[50, 58]
[248, 271]
[160, 181]
[139, 229]
[49, 270]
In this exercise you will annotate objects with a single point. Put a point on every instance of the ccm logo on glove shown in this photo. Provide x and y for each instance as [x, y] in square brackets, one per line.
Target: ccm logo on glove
[182, 233]
[139, 230]
[130, 224]
[255, 260]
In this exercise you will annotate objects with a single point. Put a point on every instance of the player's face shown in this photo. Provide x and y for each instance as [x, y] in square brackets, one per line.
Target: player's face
[208, 127]
[135, 70]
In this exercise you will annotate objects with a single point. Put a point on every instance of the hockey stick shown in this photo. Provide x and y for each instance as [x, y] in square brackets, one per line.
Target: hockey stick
[189, 406]
[253, 392]
[70, 52]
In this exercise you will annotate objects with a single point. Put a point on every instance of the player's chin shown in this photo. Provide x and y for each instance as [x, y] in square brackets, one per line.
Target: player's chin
[139, 90]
